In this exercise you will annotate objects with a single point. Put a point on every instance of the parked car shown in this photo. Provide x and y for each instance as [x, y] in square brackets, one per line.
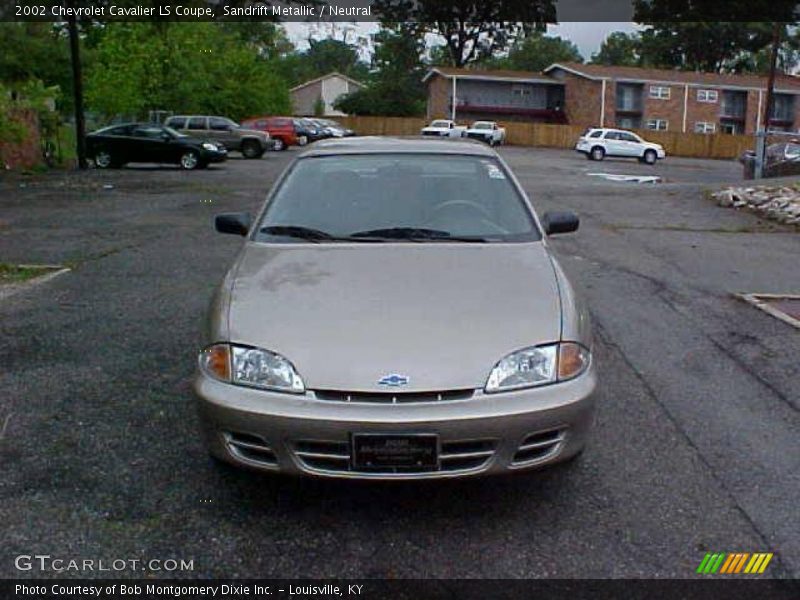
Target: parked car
[251, 143]
[280, 129]
[487, 131]
[307, 131]
[336, 343]
[598, 143]
[444, 128]
[333, 129]
[780, 160]
[115, 146]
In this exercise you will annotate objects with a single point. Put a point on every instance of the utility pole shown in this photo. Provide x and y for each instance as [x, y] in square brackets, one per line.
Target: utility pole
[761, 134]
[776, 43]
[77, 88]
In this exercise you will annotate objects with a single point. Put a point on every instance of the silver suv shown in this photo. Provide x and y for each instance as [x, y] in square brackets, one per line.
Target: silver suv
[250, 142]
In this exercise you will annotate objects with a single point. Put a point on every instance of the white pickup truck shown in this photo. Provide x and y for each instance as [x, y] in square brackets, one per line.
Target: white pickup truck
[487, 131]
[444, 128]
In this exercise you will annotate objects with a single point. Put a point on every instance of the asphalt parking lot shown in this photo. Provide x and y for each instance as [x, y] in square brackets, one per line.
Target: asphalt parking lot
[696, 446]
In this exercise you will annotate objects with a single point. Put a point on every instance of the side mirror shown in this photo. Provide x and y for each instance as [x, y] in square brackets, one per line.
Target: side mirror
[236, 223]
[560, 222]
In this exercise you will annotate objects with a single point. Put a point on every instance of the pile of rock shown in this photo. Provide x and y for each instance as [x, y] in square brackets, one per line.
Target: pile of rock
[781, 204]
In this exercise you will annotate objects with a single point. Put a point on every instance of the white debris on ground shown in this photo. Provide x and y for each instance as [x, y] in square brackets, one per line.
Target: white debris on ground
[780, 204]
[627, 178]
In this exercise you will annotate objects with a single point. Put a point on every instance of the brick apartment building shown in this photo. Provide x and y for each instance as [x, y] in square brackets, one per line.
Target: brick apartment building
[507, 95]
[626, 97]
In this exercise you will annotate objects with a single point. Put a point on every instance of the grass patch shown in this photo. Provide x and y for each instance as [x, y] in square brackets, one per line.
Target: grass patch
[14, 274]
[18, 273]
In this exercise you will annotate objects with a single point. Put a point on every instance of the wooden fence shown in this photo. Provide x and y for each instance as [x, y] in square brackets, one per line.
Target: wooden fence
[694, 145]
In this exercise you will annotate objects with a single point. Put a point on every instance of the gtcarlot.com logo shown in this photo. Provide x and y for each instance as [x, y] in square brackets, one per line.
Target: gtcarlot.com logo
[734, 563]
[46, 562]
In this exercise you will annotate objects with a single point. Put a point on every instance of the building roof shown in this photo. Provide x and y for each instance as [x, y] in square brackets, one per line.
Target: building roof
[494, 75]
[328, 76]
[693, 78]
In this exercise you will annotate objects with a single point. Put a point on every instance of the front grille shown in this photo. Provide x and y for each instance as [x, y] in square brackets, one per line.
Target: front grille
[392, 397]
[455, 457]
[538, 447]
[250, 448]
[477, 136]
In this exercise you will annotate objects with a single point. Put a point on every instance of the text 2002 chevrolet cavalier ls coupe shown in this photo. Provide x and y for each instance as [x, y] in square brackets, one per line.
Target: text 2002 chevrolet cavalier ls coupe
[395, 312]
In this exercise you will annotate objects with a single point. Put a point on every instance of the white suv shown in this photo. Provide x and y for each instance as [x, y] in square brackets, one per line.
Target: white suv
[596, 144]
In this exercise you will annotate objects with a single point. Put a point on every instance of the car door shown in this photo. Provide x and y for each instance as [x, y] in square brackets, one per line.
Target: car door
[612, 143]
[222, 131]
[630, 144]
[150, 143]
[197, 127]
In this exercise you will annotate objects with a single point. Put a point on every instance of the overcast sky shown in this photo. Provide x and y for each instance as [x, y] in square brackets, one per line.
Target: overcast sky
[587, 36]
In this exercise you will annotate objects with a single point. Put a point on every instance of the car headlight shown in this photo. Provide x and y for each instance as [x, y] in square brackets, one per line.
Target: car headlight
[252, 367]
[209, 146]
[538, 365]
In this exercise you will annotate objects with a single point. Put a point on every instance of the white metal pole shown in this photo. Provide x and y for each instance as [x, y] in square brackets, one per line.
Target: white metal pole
[685, 105]
[758, 115]
[603, 104]
[453, 108]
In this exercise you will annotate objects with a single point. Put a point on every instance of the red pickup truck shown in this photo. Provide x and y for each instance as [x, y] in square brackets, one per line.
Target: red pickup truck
[280, 129]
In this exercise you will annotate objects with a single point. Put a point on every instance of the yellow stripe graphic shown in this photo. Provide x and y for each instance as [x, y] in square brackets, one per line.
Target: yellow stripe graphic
[756, 565]
[751, 564]
[765, 563]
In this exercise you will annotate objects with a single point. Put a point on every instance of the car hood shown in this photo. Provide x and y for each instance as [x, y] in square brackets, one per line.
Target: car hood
[440, 314]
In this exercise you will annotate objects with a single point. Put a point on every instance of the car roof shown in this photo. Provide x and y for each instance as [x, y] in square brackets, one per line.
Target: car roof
[391, 145]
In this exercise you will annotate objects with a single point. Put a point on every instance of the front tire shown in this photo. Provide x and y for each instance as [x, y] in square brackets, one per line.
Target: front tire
[650, 157]
[251, 149]
[190, 160]
[279, 145]
[103, 160]
[597, 153]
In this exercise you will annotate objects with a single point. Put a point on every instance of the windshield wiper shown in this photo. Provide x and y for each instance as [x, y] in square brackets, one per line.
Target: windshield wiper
[309, 234]
[298, 231]
[415, 234]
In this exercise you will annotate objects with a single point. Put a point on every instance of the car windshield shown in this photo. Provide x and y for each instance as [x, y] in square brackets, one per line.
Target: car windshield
[440, 124]
[397, 197]
[480, 125]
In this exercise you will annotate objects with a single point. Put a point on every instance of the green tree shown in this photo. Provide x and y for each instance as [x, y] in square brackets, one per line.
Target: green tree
[197, 67]
[322, 57]
[395, 87]
[712, 47]
[707, 35]
[35, 51]
[536, 51]
[473, 30]
[619, 48]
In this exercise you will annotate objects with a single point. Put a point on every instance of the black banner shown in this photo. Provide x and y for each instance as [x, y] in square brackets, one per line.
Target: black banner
[525, 11]
[494, 589]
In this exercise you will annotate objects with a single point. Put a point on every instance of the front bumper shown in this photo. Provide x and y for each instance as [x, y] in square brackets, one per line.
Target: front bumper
[484, 434]
[214, 156]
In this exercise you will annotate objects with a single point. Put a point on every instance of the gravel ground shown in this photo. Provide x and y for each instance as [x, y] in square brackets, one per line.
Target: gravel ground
[696, 446]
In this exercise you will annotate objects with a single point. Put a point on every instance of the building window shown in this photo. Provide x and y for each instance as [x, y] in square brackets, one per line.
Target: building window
[782, 108]
[659, 92]
[730, 128]
[705, 127]
[629, 122]
[707, 96]
[520, 90]
[658, 124]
